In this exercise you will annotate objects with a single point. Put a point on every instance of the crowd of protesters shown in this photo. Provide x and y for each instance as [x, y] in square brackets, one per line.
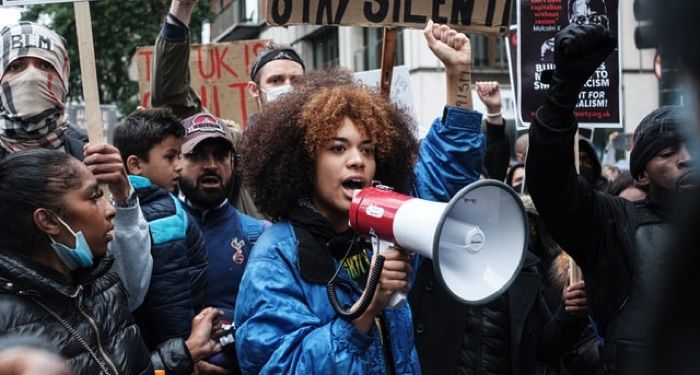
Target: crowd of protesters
[220, 250]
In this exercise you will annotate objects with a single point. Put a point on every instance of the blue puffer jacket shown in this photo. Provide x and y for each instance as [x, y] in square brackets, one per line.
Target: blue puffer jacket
[180, 271]
[287, 325]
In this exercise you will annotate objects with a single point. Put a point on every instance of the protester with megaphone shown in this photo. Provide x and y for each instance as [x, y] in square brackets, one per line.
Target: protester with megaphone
[618, 244]
[304, 158]
[311, 151]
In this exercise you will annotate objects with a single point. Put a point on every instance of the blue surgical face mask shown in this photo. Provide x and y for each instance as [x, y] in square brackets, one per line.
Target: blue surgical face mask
[73, 258]
[273, 93]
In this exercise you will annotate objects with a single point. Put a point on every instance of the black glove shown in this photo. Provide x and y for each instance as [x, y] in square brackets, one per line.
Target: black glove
[578, 52]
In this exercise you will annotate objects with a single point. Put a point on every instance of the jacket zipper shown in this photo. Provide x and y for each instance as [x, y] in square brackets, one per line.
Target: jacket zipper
[79, 302]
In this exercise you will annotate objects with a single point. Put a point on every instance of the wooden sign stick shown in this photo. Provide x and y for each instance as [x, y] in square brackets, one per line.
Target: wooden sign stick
[93, 114]
[574, 269]
[388, 57]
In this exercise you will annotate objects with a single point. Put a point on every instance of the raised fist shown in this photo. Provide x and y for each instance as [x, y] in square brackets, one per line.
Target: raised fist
[578, 52]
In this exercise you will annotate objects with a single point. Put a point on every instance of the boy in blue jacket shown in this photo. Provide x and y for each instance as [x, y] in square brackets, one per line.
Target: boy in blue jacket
[149, 141]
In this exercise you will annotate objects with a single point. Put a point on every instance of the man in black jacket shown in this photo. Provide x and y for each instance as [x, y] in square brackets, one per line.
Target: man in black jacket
[677, 327]
[618, 244]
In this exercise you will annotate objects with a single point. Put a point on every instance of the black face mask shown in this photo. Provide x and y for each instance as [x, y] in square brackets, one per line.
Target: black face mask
[519, 189]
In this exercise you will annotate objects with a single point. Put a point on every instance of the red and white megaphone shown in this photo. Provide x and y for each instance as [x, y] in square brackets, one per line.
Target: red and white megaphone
[476, 241]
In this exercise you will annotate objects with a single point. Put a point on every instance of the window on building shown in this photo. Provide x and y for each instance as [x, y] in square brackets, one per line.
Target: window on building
[250, 13]
[488, 52]
[371, 53]
[325, 48]
[223, 4]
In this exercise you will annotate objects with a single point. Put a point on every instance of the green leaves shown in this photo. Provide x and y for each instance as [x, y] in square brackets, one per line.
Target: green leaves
[119, 27]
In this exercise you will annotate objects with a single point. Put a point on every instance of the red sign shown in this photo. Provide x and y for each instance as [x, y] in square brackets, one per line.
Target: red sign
[218, 73]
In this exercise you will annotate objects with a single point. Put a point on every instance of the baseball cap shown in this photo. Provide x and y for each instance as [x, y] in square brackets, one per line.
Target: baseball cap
[204, 126]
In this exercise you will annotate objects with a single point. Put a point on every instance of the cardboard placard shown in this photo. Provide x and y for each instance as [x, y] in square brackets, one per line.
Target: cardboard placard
[599, 103]
[486, 17]
[219, 75]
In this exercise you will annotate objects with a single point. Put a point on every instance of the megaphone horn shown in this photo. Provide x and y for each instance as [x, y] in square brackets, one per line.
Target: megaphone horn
[476, 241]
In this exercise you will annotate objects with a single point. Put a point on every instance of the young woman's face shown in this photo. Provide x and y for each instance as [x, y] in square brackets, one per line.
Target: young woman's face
[87, 211]
[344, 164]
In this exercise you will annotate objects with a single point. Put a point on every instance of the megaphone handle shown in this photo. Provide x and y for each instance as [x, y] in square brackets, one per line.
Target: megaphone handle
[397, 299]
[379, 245]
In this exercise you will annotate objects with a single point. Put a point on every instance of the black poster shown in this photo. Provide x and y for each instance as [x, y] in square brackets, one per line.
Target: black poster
[599, 103]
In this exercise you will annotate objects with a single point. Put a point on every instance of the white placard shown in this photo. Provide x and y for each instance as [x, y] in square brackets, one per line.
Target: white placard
[400, 86]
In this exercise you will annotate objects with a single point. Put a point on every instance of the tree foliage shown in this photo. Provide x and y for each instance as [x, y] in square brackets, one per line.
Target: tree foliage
[119, 27]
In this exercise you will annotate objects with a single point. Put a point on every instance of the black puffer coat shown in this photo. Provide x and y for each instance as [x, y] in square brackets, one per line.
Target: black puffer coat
[32, 296]
[536, 338]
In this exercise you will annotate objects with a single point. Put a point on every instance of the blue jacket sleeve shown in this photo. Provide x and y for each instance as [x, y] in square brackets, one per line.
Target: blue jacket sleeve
[280, 333]
[451, 155]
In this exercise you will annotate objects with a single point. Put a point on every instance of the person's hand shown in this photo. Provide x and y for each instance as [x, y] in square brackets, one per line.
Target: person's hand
[578, 52]
[105, 163]
[206, 368]
[451, 47]
[613, 136]
[394, 278]
[31, 361]
[490, 94]
[575, 299]
[182, 10]
[206, 326]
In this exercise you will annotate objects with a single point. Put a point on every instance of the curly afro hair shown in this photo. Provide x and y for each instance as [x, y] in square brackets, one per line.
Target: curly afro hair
[279, 150]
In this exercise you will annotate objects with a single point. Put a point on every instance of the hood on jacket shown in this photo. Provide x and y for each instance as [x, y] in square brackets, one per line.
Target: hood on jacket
[595, 177]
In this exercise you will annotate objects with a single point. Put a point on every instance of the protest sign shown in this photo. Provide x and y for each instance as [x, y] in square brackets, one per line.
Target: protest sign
[509, 96]
[219, 75]
[400, 87]
[486, 17]
[599, 103]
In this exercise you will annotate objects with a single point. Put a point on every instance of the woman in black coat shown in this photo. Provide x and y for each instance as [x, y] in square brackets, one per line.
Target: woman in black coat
[55, 274]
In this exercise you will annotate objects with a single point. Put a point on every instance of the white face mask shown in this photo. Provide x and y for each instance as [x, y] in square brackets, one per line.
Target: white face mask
[273, 93]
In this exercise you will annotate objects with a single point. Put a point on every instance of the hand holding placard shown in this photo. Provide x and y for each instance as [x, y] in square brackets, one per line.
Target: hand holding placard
[182, 9]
